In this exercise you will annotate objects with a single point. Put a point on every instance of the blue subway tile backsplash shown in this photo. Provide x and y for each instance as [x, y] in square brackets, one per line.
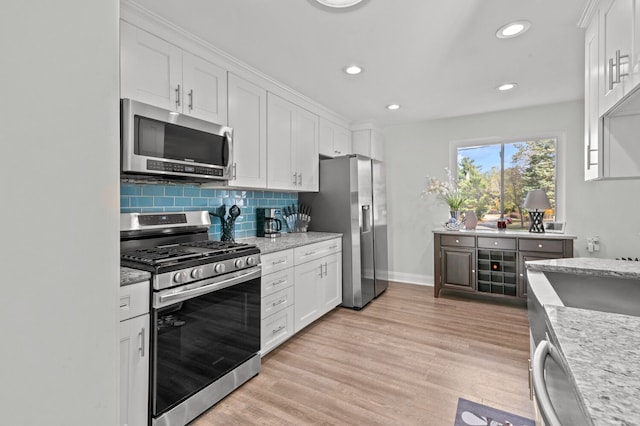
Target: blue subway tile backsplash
[150, 198]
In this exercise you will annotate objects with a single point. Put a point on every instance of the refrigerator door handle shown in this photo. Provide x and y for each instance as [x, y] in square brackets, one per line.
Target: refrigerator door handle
[366, 218]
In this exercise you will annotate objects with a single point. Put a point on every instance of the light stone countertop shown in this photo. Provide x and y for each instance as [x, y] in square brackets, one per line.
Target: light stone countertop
[601, 355]
[506, 233]
[289, 240]
[131, 276]
[588, 266]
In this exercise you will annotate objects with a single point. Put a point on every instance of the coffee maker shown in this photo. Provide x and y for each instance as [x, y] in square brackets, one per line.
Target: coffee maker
[268, 225]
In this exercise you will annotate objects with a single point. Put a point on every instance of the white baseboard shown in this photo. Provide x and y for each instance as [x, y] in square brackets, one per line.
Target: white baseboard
[411, 278]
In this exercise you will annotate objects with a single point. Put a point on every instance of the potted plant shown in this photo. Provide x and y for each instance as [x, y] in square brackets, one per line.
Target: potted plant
[448, 192]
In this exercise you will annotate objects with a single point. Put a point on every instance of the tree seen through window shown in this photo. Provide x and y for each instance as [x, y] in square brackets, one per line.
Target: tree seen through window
[495, 179]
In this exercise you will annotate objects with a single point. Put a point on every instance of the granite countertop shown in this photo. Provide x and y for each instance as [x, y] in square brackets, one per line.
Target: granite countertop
[601, 353]
[588, 266]
[506, 233]
[132, 276]
[289, 240]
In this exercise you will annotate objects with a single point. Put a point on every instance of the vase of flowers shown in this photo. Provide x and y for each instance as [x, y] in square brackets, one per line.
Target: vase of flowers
[448, 192]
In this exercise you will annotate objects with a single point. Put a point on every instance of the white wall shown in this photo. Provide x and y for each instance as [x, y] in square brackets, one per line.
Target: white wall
[413, 152]
[59, 190]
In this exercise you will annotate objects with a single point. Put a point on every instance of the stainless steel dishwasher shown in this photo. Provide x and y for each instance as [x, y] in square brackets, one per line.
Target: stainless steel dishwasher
[555, 398]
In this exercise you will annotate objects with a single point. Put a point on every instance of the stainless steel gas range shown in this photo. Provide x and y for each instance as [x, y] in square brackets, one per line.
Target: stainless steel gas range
[205, 305]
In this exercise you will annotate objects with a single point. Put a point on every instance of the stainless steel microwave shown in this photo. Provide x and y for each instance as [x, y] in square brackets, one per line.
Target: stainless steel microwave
[164, 144]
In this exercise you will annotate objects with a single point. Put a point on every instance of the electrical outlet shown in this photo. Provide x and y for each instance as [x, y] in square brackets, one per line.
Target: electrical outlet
[593, 244]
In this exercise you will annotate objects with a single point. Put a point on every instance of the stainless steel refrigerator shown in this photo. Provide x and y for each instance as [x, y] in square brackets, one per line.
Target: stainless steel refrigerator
[352, 200]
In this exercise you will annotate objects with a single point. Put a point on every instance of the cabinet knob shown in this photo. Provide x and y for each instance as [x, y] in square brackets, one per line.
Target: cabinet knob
[539, 245]
[457, 241]
[495, 243]
[473, 271]
[522, 275]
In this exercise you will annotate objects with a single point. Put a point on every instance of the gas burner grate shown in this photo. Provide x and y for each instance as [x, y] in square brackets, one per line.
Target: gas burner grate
[156, 255]
[628, 258]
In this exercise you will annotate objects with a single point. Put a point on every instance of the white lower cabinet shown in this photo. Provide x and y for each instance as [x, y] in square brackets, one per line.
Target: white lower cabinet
[134, 355]
[318, 281]
[298, 286]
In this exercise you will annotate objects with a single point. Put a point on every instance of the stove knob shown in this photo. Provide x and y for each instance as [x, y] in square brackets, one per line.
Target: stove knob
[239, 263]
[180, 277]
[251, 261]
[219, 268]
[197, 273]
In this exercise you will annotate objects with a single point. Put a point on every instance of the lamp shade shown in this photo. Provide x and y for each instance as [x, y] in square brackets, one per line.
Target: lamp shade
[536, 200]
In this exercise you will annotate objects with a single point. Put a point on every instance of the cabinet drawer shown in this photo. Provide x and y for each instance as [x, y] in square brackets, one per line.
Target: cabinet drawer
[276, 329]
[497, 243]
[548, 246]
[277, 302]
[315, 251]
[277, 281]
[277, 261]
[457, 241]
[134, 300]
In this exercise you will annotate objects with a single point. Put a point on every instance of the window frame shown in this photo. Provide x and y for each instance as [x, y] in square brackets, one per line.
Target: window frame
[561, 141]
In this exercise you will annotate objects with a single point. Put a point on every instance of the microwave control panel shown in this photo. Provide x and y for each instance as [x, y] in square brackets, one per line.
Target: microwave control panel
[165, 166]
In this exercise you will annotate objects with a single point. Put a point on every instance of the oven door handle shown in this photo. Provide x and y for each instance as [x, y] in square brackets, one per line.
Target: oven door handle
[207, 286]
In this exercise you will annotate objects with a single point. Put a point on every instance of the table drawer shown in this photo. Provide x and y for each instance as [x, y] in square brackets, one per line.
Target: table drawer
[457, 241]
[276, 329]
[547, 246]
[276, 261]
[314, 251]
[497, 243]
[134, 300]
[277, 281]
[277, 302]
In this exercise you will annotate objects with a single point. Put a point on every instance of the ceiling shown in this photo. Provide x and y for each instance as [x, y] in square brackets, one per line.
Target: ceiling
[435, 58]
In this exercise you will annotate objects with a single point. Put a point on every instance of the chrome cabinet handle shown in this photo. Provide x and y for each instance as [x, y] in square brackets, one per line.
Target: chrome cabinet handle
[619, 65]
[321, 270]
[610, 69]
[283, 280]
[309, 253]
[141, 348]
[530, 383]
[235, 169]
[277, 329]
[544, 402]
[295, 178]
[326, 270]
[279, 302]
[300, 178]
[178, 96]
[190, 99]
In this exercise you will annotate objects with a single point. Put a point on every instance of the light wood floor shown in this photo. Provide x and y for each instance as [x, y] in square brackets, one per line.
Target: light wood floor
[403, 360]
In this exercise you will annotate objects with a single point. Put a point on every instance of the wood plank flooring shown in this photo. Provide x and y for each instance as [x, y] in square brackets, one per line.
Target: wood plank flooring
[403, 360]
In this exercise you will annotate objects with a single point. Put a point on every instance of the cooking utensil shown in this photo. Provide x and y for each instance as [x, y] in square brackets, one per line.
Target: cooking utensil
[234, 212]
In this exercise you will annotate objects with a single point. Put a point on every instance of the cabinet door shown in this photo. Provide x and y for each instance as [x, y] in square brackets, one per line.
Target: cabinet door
[334, 140]
[306, 150]
[458, 270]
[522, 268]
[331, 282]
[593, 128]
[616, 18]
[248, 118]
[280, 119]
[150, 69]
[205, 89]
[307, 293]
[134, 371]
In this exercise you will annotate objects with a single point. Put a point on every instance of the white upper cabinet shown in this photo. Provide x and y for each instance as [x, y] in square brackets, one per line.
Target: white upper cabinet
[335, 140]
[292, 146]
[150, 68]
[369, 142]
[616, 20]
[159, 73]
[248, 118]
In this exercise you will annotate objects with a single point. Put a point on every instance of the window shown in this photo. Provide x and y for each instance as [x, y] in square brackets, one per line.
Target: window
[495, 178]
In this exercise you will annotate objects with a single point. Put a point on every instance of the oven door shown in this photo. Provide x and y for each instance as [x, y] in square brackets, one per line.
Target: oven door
[201, 334]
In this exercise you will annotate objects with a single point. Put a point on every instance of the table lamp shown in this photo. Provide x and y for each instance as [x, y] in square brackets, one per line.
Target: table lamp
[535, 201]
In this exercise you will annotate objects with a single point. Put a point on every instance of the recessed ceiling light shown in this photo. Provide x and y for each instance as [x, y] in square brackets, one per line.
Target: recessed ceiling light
[513, 29]
[393, 106]
[339, 3]
[506, 86]
[353, 70]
